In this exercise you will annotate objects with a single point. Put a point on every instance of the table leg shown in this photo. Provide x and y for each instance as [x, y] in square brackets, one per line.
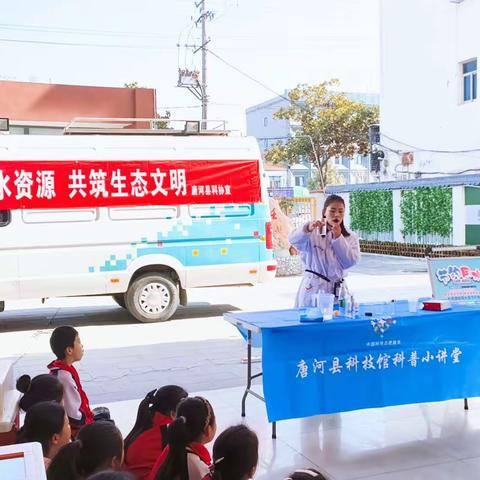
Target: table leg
[274, 429]
[249, 370]
[465, 403]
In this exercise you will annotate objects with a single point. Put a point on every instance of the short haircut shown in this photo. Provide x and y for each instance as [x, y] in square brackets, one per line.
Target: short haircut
[62, 338]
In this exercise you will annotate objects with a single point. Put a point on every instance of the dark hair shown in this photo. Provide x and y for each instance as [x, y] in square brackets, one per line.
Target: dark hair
[42, 388]
[333, 199]
[306, 474]
[95, 447]
[194, 415]
[112, 475]
[62, 338]
[235, 453]
[42, 421]
[164, 400]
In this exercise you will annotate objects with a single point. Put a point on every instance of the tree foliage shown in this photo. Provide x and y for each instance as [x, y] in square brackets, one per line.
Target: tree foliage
[329, 125]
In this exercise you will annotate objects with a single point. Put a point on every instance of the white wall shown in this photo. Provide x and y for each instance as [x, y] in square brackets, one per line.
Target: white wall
[274, 129]
[423, 43]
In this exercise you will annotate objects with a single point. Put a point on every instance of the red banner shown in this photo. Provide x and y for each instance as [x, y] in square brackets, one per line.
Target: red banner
[91, 183]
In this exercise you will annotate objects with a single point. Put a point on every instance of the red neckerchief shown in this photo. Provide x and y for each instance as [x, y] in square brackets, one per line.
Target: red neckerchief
[159, 419]
[200, 450]
[84, 405]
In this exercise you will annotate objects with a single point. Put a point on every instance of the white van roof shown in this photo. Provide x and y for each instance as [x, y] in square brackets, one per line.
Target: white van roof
[135, 147]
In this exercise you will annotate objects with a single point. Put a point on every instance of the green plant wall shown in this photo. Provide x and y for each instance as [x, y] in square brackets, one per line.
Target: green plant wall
[427, 211]
[372, 212]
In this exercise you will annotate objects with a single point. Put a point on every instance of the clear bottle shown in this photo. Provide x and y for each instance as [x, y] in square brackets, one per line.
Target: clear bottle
[342, 297]
[349, 306]
[355, 308]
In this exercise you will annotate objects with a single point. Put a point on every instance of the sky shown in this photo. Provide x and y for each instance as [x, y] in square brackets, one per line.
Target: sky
[280, 43]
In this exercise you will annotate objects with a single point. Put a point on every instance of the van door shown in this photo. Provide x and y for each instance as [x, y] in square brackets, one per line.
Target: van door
[56, 250]
[9, 287]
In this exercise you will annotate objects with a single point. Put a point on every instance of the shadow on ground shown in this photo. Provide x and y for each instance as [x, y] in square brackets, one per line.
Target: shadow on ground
[39, 318]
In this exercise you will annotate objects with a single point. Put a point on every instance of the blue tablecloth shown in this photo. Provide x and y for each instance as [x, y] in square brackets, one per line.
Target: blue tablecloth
[345, 364]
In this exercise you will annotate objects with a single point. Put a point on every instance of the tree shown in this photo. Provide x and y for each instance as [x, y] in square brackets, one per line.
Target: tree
[131, 85]
[329, 125]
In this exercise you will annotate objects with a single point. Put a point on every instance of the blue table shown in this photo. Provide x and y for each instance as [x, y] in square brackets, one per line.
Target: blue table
[350, 364]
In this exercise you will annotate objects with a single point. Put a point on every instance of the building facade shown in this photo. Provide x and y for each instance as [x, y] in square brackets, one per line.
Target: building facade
[268, 130]
[41, 108]
[429, 104]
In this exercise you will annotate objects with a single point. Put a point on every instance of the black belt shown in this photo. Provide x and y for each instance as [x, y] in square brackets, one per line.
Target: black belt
[323, 277]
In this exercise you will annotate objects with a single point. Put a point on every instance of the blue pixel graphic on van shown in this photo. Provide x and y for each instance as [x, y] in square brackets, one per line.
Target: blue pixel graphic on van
[215, 234]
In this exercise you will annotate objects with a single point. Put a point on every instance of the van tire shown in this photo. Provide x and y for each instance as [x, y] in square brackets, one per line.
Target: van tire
[152, 297]
[120, 299]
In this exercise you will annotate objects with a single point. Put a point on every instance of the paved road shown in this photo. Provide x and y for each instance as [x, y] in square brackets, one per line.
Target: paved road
[197, 349]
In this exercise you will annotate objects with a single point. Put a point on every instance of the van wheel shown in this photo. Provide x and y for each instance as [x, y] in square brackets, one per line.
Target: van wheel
[119, 299]
[2, 306]
[152, 298]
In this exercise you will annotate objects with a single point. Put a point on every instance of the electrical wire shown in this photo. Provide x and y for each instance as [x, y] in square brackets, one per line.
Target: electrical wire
[419, 149]
[79, 31]
[95, 45]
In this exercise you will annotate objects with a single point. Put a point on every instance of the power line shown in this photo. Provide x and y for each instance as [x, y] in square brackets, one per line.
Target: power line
[419, 149]
[253, 79]
[79, 31]
[95, 45]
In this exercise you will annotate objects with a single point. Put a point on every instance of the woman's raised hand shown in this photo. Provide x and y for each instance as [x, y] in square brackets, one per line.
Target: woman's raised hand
[315, 224]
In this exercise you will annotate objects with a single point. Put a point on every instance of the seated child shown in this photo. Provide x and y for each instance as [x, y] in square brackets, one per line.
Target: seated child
[185, 457]
[98, 447]
[42, 388]
[235, 454]
[148, 438]
[66, 345]
[306, 474]
[47, 424]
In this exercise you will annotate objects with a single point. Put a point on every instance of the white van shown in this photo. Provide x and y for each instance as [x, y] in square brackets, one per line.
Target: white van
[145, 256]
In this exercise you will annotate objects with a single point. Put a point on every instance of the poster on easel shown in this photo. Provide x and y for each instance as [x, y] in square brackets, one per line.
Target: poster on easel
[456, 279]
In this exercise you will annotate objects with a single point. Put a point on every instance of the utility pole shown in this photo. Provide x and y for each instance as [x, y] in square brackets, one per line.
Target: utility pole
[203, 17]
[190, 79]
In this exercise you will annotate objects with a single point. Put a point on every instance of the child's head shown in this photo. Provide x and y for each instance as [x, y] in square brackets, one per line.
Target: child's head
[111, 475]
[165, 400]
[235, 454]
[306, 474]
[66, 345]
[42, 388]
[194, 423]
[98, 446]
[334, 211]
[46, 423]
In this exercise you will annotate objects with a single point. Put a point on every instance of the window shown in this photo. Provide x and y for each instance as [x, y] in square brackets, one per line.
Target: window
[469, 71]
[221, 210]
[143, 213]
[60, 216]
[299, 181]
[265, 121]
[275, 181]
[5, 218]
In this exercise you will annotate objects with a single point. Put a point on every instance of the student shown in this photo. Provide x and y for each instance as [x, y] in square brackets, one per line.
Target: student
[47, 424]
[306, 474]
[235, 454]
[148, 438]
[185, 457]
[66, 345]
[42, 388]
[111, 475]
[98, 446]
[325, 257]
